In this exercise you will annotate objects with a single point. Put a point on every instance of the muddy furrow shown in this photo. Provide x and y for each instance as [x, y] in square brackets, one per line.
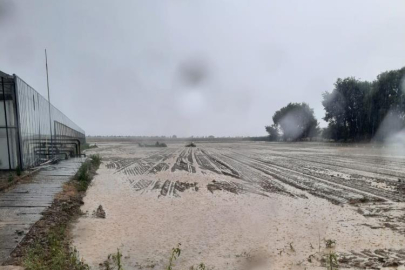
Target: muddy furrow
[184, 161]
[253, 177]
[313, 185]
[150, 164]
[222, 166]
[348, 183]
[204, 162]
[117, 164]
[354, 164]
[351, 177]
[337, 173]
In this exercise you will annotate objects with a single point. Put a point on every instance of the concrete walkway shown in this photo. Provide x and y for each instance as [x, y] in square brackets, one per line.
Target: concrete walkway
[21, 206]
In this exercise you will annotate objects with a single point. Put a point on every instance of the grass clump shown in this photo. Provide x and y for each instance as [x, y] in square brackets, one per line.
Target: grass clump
[95, 160]
[175, 254]
[86, 171]
[201, 266]
[331, 258]
[18, 170]
[10, 178]
[157, 144]
[53, 253]
[113, 262]
[330, 243]
[88, 146]
[331, 261]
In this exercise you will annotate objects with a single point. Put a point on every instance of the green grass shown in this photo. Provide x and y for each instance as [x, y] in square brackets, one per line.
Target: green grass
[86, 171]
[53, 253]
[95, 160]
[18, 170]
[329, 243]
[88, 146]
[175, 254]
[331, 258]
[113, 262]
[331, 261]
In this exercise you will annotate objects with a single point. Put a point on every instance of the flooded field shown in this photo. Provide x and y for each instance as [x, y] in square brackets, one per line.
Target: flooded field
[246, 205]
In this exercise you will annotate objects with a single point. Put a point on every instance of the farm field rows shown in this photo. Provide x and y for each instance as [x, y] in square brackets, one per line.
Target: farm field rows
[245, 205]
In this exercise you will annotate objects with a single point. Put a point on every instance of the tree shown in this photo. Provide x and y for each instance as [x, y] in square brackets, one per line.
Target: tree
[360, 110]
[273, 132]
[387, 103]
[296, 121]
[345, 111]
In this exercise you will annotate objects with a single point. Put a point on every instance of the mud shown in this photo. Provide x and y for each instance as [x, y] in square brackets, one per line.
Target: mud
[170, 188]
[373, 259]
[184, 162]
[247, 206]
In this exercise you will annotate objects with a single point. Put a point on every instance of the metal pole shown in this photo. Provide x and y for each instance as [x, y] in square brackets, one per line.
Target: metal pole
[18, 121]
[49, 101]
[5, 116]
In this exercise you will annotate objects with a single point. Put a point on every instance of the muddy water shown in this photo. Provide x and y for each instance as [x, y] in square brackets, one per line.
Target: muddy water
[242, 224]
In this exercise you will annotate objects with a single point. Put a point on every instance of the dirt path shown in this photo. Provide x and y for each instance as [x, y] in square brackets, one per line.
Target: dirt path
[246, 206]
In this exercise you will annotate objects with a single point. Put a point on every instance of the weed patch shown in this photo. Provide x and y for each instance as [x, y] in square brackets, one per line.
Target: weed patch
[88, 146]
[330, 243]
[86, 172]
[113, 262]
[157, 144]
[53, 252]
[175, 254]
[331, 261]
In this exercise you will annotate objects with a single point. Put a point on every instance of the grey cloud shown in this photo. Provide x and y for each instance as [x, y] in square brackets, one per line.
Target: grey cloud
[195, 68]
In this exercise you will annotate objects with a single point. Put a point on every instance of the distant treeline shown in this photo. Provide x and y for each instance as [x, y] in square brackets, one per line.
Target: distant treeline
[355, 111]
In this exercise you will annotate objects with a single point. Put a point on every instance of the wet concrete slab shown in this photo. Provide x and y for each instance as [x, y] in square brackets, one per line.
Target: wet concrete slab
[21, 206]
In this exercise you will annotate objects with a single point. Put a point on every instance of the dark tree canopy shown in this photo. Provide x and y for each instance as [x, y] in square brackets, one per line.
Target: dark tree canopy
[359, 110]
[296, 121]
[273, 132]
[354, 110]
[345, 110]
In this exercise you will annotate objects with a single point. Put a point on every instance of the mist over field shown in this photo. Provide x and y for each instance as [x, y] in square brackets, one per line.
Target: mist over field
[204, 68]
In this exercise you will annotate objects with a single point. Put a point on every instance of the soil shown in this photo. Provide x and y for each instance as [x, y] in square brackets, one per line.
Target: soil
[246, 205]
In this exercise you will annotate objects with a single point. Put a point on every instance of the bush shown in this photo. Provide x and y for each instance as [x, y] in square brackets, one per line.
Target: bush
[191, 145]
[18, 170]
[86, 146]
[157, 144]
[85, 173]
[160, 144]
[95, 160]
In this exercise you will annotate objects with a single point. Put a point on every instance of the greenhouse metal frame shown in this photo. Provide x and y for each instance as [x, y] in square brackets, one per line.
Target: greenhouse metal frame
[33, 131]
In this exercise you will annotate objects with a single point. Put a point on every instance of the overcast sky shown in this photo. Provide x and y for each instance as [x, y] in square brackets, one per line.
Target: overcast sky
[195, 67]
